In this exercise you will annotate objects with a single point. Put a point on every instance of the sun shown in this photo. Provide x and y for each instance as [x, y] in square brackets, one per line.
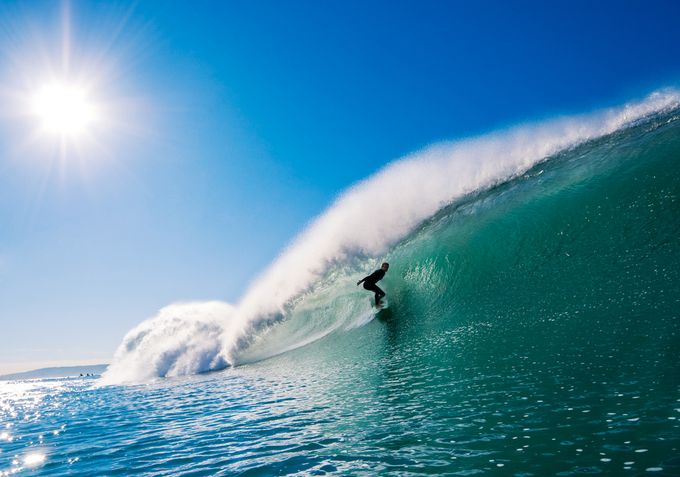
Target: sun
[63, 102]
[63, 109]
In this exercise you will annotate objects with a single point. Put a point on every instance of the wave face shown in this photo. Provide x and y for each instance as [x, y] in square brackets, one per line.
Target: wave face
[574, 212]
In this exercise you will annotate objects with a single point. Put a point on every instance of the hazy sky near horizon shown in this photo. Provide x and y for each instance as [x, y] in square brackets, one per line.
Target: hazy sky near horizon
[225, 127]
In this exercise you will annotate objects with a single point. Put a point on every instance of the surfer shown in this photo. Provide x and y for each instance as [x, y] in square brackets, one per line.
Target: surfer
[370, 282]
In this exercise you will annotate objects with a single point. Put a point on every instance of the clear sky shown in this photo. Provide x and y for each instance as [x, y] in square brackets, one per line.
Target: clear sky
[222, 128]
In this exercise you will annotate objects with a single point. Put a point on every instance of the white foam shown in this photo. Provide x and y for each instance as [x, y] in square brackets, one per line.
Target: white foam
[183, 338]
[365, 221]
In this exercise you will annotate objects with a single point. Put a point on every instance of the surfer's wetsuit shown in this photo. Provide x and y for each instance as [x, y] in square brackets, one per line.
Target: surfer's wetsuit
[370, 284]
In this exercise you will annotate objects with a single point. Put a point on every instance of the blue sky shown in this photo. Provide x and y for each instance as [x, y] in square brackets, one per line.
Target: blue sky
[231, 125]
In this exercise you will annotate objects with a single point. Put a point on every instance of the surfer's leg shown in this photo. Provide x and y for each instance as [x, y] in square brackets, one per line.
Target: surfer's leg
[375, 289]
[378, 294]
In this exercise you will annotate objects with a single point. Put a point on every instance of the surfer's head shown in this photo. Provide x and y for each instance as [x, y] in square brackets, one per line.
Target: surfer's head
[385, 266]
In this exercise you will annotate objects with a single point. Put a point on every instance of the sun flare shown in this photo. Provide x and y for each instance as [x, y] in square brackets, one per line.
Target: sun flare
[63, 109]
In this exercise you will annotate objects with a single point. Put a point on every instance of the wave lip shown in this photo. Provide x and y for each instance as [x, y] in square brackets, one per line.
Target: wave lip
[351, 236]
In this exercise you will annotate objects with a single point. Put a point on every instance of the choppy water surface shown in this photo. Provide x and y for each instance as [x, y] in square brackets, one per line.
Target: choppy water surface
[386, 409]
[533, 329]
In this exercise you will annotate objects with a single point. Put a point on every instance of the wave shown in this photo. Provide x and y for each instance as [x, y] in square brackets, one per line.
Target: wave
[310, 277]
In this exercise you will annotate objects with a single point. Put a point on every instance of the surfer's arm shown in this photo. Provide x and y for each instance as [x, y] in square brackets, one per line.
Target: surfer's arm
[373, 277]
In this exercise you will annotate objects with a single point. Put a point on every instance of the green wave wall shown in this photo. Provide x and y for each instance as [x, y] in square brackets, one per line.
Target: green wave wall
[580, 254]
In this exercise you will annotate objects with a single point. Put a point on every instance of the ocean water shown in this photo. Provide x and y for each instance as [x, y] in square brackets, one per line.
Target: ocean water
[533, 330]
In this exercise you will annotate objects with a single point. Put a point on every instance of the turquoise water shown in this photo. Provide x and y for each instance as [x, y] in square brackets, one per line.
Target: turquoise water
[533, 329]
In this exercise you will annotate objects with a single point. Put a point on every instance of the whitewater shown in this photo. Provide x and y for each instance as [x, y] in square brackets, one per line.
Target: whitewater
[306, 293]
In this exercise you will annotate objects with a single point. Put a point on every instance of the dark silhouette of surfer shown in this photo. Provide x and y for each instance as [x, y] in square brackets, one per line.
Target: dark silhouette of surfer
[371, 280]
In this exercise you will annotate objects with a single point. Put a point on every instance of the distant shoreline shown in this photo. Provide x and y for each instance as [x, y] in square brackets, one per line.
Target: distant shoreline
[57, 372]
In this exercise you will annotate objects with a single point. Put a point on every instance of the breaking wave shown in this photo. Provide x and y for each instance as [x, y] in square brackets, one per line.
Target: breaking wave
[309, 292]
